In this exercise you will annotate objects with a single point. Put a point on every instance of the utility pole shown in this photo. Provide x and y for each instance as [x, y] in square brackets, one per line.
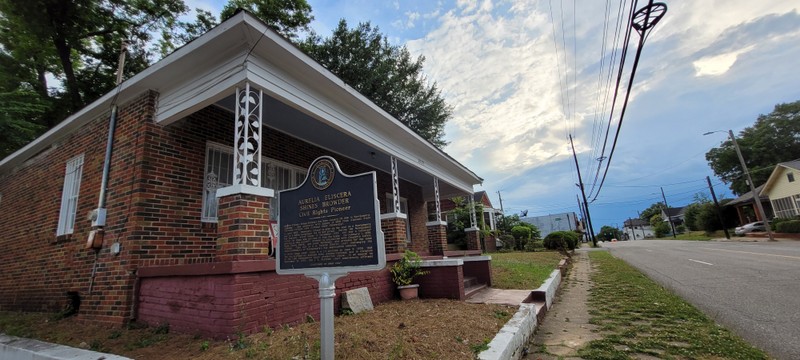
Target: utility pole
[719, 211]
[580, 184]
[630, 226]
[502, 211]
[583, 217]
[646, 223]
[756, 198]
[666, 211]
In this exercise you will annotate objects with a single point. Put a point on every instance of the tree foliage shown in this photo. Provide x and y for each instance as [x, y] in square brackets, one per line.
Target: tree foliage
[654, 209]
[78, 43]
[607, 233]
[774, 138]
[386, 74]
[459, 220]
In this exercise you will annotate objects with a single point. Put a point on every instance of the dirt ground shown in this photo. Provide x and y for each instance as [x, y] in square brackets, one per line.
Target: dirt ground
[417, 329]
[566, 327]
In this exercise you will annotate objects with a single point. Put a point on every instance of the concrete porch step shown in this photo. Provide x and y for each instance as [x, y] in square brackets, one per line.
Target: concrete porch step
[470, 281]
[472, 290]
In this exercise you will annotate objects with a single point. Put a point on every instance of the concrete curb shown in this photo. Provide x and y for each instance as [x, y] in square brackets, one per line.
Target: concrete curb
[14, 348]
[510, 342]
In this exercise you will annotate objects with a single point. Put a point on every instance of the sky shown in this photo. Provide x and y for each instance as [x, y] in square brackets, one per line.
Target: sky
[523, 75]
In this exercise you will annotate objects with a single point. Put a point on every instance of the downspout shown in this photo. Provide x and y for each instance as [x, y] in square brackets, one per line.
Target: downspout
[95, 239]
[99, 217]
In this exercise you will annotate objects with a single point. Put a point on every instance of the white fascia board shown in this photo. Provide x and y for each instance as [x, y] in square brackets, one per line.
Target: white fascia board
[184, 99]
[280, 85]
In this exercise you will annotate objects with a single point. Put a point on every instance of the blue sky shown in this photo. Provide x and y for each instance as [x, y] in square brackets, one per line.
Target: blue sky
[517, 91]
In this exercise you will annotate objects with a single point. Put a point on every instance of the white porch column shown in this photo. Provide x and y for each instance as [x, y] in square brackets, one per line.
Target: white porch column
[438, 203]
[473, 220]
[393, 223]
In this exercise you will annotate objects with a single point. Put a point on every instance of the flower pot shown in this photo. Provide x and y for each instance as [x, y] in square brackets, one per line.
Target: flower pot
[408, 292]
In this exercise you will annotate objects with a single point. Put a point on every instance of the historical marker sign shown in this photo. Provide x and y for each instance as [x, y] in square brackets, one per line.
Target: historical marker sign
[330, 224]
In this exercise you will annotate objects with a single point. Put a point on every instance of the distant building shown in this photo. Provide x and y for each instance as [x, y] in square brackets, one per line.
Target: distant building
[554, 222]
[638, 229]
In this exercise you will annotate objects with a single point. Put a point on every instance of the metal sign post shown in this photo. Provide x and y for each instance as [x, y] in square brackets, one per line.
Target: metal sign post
[329, 227]
[327, 291]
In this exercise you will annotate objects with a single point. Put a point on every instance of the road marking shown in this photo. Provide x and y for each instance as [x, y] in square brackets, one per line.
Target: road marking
[702, 262]
[755, 253]
[648, 250]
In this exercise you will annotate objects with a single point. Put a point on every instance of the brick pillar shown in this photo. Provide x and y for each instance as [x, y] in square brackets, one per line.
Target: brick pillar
[243, 227]
[394, 232]
[491, 243]
[473, 239]
[437, 237]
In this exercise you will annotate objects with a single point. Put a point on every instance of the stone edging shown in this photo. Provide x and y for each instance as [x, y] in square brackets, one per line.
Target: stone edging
[510, 341]
[12, 347]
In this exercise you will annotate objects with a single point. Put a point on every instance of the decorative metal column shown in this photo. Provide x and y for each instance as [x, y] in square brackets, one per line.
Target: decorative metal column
[395, 186]
[438, 203]
[247, 137]
[472, 218]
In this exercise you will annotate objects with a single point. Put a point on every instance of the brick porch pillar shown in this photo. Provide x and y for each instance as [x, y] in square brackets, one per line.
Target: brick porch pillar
[394, 232]
[243, 224]
[473, 238]
[491, 243]
[437, 237]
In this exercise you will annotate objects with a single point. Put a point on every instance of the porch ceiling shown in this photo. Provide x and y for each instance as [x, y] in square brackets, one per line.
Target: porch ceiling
[284, 118]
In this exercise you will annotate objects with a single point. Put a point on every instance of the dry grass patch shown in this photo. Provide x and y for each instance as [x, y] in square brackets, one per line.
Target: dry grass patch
[419, 329]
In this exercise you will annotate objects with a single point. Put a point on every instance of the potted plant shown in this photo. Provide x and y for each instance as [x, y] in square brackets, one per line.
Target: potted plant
[403, 273]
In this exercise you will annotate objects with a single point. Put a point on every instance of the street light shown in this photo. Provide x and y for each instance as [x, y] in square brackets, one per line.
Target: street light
[756, 198]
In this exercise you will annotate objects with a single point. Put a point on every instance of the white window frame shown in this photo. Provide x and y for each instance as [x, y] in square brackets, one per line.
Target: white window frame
[209, 215]
[403, 210]
[69, 196]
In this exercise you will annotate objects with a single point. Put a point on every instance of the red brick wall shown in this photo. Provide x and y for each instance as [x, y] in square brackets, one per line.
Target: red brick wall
[394, 235]
[221, 305]
[442, 282]
[154, 203]
[482, 270]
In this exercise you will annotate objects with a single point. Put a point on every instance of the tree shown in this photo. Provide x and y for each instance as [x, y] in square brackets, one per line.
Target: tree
[691, 214]
[774, 138]
[15, 130]
[607, 233]
[654, 209]
[384, 73]
[78, 43]
[460, 216]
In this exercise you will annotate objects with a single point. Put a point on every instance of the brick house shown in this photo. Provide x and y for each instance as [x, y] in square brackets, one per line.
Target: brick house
[490, 217]
[202, 142]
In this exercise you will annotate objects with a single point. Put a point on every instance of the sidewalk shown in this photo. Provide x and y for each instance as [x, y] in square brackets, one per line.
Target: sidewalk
[566, 327]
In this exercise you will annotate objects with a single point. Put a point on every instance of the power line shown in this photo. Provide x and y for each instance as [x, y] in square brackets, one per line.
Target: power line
[657, 11]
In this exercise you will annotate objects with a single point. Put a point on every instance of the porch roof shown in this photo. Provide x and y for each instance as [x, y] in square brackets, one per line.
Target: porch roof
[302, 98]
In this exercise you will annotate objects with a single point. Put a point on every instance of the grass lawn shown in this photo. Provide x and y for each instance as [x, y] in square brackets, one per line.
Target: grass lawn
[638, 317]
[698, 236]
[522, 270]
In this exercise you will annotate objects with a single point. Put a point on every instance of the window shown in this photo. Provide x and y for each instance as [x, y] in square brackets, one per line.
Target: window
[403, 210]
[275, 175]
[790, 176]
[69, 196]
[784, 207]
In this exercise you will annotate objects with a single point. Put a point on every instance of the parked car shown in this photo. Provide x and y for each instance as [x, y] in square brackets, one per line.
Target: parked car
[751, 227]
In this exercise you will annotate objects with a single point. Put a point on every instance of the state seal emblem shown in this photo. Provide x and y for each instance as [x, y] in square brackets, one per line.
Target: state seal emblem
[322, 174]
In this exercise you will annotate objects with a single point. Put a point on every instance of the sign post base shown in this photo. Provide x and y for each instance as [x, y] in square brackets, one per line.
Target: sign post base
[327, 291]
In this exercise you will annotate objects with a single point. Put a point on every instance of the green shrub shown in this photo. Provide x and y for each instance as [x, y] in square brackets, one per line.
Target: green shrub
[534, 245]
[789, 226]
[508, 242]
[662, 229]
[680, 229]
[567, 240]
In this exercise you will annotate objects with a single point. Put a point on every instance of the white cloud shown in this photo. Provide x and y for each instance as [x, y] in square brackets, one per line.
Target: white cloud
[717, 64]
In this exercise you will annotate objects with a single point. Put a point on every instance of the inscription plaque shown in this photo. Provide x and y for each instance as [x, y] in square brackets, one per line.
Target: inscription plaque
[330, 223]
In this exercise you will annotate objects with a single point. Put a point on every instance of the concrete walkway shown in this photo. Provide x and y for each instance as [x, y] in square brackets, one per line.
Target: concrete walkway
[566, 327]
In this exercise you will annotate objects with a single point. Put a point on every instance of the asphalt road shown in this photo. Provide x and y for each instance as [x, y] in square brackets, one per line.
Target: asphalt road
[752, 288]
